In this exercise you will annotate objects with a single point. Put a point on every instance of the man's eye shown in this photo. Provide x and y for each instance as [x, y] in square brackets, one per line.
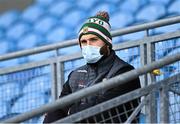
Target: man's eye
[83, 41]
[94, 39]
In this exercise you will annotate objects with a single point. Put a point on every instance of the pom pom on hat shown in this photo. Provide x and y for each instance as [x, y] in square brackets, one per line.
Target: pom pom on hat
[99, 26]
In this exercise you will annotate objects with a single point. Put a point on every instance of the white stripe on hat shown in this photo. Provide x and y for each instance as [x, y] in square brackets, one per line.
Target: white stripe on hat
[99, 22]
[98, 32]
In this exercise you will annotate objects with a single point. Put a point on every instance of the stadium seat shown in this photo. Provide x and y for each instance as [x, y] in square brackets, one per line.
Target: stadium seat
[113, 1]
[32, 13]
[68, 65]
[1, 33]
[174, 7]
[135, 61]
[69, 50]
[41, 56]
[31, 39]
[76, 15]
[104, 7]
[28, 102]
[116, 40]
[125, 6]
[134, 36]
[9, 63]
[59, 8]
[9, 90]
[45, 24]
[17, 30]
[166, 29]
[3, 109]
[120, 19]
[84, 6]
[165, 2]
[58, 34]
[155, 10]
[40, 83]
[10, 115]
[3, 79]
[44, 2]
[3, 46]
[123, 54]
[8, 18]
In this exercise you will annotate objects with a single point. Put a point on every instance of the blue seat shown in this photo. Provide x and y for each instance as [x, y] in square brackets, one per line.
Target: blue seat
[68, 65]
[105, 6]
[1, 33]
[116, 2]
[164, 2]
[125, 6]
[174, 7]
[45, 24]
[83, 4]
[40, 83]
[169, 28]
[116, 40]
[9, 91]
[123, 54]
[8, 18]
[134, 36]
[151, 12]
[59, 8]
[120, 19]
[58, 34]
[32, 13]
[3, 79]
[41, 56]
[31, 39]
[17, 30]
[77, 16]
[135, 61]
[28, 102]
[142, 118]
[44, 2]
[8, 115]
[3, 46]
[9, 63]
[3, 108]
[69, 50]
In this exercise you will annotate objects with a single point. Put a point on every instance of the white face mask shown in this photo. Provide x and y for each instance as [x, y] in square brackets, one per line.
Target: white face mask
[91, 54]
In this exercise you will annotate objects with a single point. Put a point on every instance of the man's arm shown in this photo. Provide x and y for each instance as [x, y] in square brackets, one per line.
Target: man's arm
[121, 89]
[60, 113]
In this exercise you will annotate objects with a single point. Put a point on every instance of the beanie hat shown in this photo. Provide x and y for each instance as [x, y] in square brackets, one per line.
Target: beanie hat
[99, 26]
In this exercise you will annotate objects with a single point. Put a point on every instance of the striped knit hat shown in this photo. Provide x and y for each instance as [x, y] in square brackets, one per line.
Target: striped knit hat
[99, 26]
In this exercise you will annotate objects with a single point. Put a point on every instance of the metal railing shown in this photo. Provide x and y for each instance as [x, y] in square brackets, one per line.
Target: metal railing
[56, 64]
[113, 82]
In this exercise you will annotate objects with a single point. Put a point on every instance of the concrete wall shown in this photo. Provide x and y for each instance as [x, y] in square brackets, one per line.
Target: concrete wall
[6, 5]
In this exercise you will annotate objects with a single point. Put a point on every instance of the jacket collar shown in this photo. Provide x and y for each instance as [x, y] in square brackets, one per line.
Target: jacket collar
[104, 64]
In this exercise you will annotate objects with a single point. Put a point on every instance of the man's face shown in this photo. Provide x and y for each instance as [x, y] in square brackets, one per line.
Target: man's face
[91, 39]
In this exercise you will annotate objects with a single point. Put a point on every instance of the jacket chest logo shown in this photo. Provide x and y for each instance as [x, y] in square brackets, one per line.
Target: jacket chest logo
[81, 84]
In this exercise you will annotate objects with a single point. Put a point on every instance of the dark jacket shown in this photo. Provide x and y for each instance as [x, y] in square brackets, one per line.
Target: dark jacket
[89, 75]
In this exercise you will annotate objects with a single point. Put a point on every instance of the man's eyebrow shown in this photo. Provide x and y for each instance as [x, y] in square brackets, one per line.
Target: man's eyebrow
[93, 38]
[89, 38]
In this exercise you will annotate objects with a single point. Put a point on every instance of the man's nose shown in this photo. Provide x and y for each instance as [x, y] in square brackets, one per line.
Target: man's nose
[88, 42]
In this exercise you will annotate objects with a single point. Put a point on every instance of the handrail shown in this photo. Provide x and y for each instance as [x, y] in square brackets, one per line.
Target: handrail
[113, 82]
[114, 33]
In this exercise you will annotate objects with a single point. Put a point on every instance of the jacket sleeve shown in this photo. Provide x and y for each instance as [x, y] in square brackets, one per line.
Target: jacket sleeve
[121, 89]
[60, 113]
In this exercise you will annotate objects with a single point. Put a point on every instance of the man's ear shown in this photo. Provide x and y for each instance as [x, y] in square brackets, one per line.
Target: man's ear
[105, 50]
